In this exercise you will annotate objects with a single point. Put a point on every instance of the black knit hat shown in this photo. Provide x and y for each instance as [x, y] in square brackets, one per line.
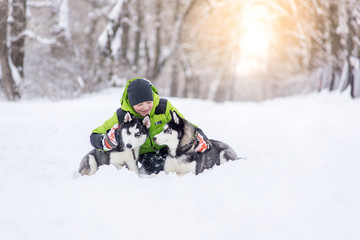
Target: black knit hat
[139, 91]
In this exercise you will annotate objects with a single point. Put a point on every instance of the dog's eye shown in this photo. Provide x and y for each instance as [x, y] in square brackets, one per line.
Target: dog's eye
[137, 134]
[168, 131]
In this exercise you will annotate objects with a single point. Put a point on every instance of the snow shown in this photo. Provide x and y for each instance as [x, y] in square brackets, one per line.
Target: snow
[344, 76]
[64, 18]
[113, 16]
[116, 11]
[300, 179]
[14, 72]
[116, 43]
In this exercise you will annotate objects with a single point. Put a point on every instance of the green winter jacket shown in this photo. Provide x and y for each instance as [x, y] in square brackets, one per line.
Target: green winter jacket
[159, 116]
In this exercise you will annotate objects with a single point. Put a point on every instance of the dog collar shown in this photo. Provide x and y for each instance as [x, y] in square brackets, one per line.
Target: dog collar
[186, 147]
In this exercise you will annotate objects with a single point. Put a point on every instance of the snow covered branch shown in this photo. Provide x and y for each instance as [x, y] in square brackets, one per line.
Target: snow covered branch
[39, 4]
[32, 35]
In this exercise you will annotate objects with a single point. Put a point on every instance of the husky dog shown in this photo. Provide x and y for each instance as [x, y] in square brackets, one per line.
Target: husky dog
[180, 136]
[131, 135]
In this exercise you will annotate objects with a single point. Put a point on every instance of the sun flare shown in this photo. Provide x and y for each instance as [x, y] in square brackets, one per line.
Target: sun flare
[255, 40]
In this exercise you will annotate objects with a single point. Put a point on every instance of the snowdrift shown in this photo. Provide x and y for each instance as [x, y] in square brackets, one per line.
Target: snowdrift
[300, 179]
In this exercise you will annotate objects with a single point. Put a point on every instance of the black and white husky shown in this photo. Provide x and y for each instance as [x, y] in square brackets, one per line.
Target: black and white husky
[180, 136]
[132, 134]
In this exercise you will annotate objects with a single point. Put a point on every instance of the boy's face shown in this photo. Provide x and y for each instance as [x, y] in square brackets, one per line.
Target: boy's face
[143, 108]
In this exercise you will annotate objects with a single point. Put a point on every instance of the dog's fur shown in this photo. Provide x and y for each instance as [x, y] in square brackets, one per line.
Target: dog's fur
[131, 135]
[180, 136]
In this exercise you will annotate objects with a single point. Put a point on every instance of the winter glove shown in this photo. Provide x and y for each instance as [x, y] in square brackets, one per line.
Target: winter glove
[202, 143]
[109, 141]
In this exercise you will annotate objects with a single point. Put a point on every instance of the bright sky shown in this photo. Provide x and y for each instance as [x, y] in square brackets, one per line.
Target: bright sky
[254, 42]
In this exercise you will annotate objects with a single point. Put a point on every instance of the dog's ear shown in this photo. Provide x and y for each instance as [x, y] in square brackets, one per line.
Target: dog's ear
[175, 117]
[127, 117]
[146, 121]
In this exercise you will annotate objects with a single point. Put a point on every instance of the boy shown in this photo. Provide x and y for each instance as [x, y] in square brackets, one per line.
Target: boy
[140, 98]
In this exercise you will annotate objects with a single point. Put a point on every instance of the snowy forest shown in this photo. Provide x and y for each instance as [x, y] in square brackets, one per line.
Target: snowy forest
[276, 80]
[222, 50]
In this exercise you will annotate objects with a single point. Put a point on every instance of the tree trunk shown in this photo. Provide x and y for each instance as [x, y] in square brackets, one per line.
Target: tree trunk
[18, 26]
[158, 45]
[124, 22]
[7, 78]
[350, 48]
[174, 81]
[138, 32]
[317, 40]
[175, 39]
[335, 44]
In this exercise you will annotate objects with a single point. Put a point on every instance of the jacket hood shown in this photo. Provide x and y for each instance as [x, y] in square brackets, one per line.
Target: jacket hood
[126, 106]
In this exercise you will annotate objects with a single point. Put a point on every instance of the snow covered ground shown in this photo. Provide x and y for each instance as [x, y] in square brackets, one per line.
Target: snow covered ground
[300, 179]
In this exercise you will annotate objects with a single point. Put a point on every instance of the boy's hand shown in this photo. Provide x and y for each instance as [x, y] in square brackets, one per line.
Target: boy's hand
[109, 140]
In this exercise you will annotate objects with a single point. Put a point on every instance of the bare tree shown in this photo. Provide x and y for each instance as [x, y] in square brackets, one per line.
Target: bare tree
[7, 75]
[189, 47]
[18, 27]
[325, 31]
[125, 29]
[139, 27]
[126, 42]
[158, 40]
[176, 35]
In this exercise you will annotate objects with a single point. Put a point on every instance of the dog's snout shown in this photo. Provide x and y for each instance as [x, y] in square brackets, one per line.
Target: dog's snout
[128, 145]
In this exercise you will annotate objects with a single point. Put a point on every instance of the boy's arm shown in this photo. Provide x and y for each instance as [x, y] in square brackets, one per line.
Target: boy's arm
[97, 135]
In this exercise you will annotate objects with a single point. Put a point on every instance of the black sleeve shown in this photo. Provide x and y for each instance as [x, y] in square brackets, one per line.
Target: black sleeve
[120, 115]
[161, 108]
[96, 140]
